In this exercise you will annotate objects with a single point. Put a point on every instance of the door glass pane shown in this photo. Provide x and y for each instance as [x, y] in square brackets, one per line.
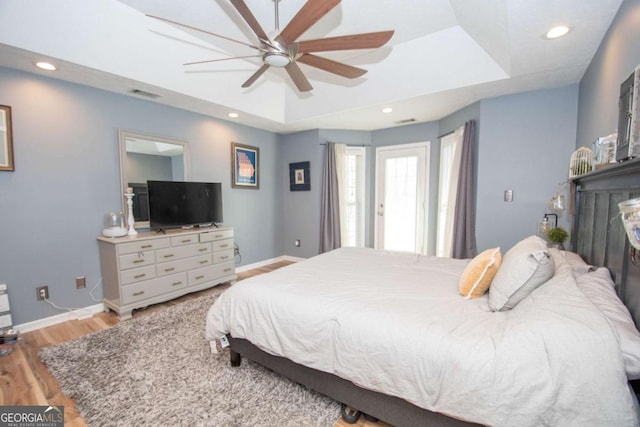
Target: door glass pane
[401, 174]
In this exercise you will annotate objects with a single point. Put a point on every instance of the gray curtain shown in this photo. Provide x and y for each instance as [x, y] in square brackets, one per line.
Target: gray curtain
[330, 209]
[464, 225]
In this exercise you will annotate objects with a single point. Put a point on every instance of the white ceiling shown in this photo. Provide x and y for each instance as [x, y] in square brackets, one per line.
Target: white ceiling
[444, 55]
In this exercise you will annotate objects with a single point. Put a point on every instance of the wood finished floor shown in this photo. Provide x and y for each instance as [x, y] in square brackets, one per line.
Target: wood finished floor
[24, 380]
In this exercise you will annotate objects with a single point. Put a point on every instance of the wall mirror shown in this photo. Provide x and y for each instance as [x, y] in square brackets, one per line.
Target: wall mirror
[143, 158]
[6, 142]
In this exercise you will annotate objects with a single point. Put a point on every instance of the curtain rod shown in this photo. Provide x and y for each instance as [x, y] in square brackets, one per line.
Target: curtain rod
[446, 134]
[350, 145]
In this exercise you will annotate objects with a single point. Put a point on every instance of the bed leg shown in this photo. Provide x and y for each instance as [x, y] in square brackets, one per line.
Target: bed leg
[235, 358]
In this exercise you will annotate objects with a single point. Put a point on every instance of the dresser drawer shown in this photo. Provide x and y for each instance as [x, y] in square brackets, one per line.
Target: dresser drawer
[137, 259]
[184, 240]
[164, 268]
[151, 288]
[216, 235]
[137, 274]
[222, 256]
[208, 274]
[179, 252]
[222, 245]
[143, 245]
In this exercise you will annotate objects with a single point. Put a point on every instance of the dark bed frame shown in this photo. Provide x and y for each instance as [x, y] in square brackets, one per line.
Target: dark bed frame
[597, 235]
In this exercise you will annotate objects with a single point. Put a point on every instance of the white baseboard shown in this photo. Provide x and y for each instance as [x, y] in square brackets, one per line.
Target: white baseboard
[86, 312]
[266, 262]
[78, 314]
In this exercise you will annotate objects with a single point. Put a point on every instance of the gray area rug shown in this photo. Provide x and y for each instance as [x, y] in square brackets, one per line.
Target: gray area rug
[158, 370]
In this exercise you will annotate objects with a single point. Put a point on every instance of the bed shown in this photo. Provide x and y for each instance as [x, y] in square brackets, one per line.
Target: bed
[390, 335]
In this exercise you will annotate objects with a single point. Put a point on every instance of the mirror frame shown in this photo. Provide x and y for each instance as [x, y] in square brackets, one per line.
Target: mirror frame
[122, 150]
[6, 139]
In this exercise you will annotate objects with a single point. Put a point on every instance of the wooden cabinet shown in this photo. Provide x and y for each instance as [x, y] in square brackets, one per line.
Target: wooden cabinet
[149, 268]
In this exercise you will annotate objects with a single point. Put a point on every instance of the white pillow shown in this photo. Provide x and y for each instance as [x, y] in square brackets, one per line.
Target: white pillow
[577, 263]
[600, 290]
[525, 266]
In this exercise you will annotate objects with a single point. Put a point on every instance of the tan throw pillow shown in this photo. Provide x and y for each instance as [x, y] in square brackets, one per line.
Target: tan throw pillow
[477, 276]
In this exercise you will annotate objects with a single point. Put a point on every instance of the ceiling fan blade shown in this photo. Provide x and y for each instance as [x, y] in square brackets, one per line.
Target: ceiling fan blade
[308, 15]
[255, 75]
[353, 41]
[223, 59]
[331, 66]
[203, 31]
[298, 77]
[248, 17]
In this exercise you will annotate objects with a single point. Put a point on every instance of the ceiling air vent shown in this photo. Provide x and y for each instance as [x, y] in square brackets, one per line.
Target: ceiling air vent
[143, 93]
[405, 121]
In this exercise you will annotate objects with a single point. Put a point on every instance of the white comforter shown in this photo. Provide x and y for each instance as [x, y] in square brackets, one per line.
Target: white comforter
[395, 323]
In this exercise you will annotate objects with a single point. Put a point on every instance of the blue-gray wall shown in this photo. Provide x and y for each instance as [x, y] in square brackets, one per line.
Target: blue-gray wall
[615, 60]
[525, 144]
[67, 177]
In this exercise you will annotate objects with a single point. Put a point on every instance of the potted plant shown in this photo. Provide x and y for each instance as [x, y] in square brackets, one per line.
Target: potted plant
[557, 236]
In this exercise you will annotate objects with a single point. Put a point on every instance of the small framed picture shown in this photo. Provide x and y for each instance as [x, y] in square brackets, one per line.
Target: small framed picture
[299, 179]
[245, 166]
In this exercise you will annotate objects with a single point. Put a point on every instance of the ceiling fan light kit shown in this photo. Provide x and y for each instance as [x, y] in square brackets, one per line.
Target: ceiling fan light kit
[284, 51]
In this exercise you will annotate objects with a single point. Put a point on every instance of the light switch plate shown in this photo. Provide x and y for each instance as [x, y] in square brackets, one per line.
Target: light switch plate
[508, 195]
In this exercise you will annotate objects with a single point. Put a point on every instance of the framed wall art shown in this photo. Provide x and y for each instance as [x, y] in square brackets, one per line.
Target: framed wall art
[245, 166]
[299, 178]
[6, 139]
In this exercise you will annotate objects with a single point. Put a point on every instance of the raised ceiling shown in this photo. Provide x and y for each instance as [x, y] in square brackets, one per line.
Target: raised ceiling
[444, 55]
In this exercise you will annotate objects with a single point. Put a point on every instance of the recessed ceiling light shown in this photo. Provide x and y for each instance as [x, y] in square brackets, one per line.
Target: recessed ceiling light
[558, 31]
[387, 110]
[233, 115]
[46, 66]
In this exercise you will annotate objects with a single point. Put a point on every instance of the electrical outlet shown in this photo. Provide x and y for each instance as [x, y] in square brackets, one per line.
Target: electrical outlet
[81, 282]
[43, 293]
[297, 242]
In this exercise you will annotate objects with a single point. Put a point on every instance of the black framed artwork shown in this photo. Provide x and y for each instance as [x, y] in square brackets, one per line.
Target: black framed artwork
[299, 178]
[245, 166]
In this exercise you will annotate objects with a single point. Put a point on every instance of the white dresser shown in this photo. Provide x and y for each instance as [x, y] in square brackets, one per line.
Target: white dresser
[149, 268]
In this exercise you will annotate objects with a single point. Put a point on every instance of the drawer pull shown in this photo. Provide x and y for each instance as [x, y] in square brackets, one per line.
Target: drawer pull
[169, 269]
[146, 246]
[204, 261]
[224, 246]
[186, 241]
[224, 257]
[203, 249]
[169, 255]
[200, 277]
[227, 269]
[138, 261]
[138, 276]
[176, 283]
[135, 294]
[217, 236]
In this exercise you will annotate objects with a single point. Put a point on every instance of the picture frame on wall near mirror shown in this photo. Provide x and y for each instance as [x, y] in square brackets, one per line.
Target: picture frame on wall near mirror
[245, 166]
[299, 179]
[6, 139]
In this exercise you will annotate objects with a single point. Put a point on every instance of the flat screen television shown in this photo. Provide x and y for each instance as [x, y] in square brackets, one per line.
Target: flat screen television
[174, 204]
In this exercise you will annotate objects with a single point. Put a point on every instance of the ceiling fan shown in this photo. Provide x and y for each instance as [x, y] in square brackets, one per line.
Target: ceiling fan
[284, 51]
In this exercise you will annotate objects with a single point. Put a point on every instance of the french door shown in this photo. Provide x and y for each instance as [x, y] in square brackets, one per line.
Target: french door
[401, 195]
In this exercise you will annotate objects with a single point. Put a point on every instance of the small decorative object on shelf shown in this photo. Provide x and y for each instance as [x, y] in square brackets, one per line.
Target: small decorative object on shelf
[114, 225]
[604, 151]
[630, 212]
[581, 162]
[129, 195]
[557, 237]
